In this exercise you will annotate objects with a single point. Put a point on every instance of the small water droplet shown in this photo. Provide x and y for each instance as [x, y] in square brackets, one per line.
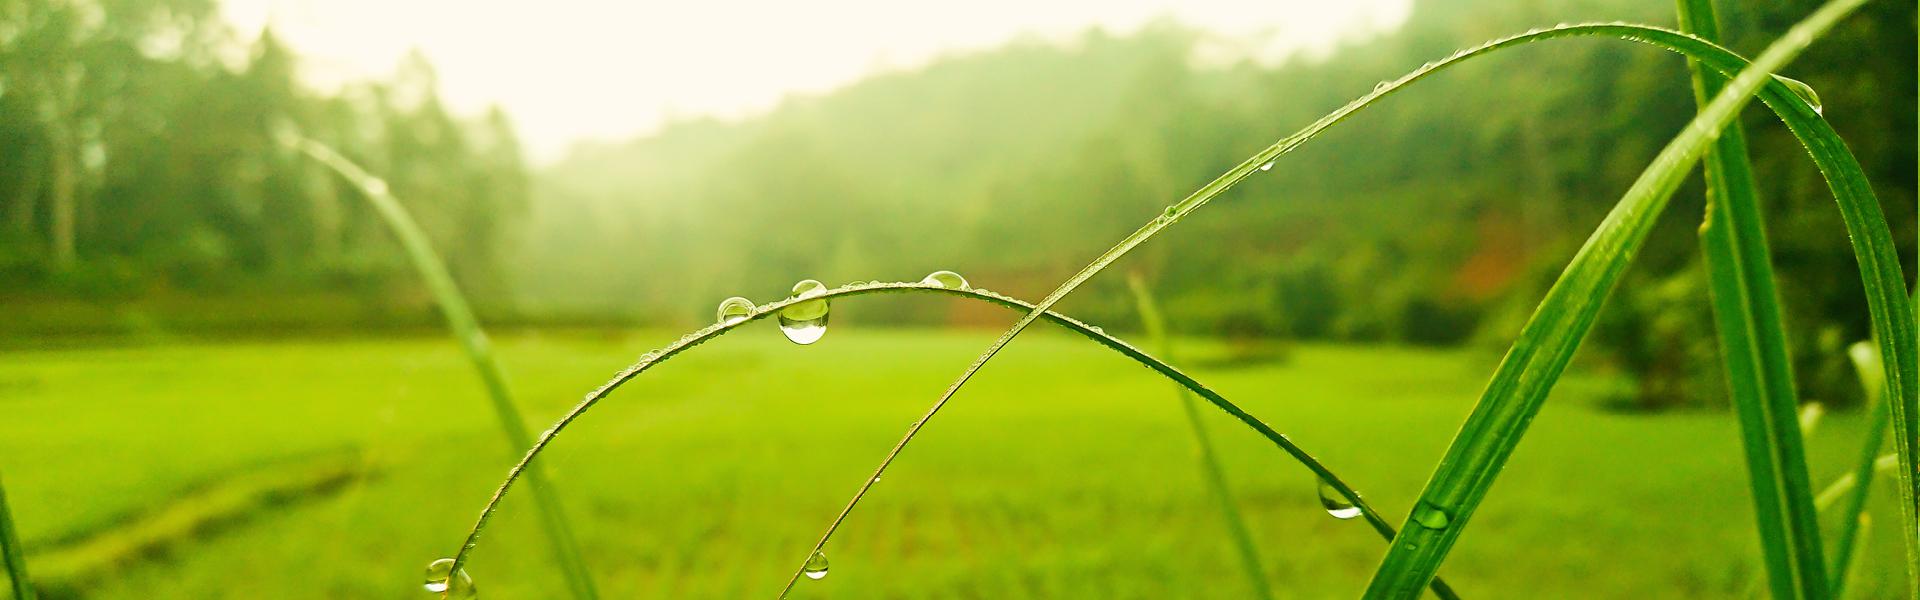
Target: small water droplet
[1804, 91]
[805, 322]
[816, 567]
[946, 279]
[437, 578]
[1266, 166]
[1382, 86]
[1336, 504]
[734, 310]
[376, 187]
[1431, 517]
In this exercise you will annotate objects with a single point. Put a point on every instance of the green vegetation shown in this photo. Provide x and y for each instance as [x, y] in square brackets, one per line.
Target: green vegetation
[1753, 341]
[139, 176]
[709, 477]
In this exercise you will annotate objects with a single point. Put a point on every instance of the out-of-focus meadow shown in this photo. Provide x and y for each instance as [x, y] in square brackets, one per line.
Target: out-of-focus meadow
[221, 377]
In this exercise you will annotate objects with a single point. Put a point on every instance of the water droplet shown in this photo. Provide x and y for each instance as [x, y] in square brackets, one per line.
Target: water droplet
[1266, 166]
[1804, 91]
[735, 309]
[1431, 517]
[437, 577]
[1336, 504]
[946, 279]
[376, 187]
[816, 567]
[805, 322]
[1382, 86]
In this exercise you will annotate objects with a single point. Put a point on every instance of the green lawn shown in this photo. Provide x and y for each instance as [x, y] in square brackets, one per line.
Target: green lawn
[1063, 471]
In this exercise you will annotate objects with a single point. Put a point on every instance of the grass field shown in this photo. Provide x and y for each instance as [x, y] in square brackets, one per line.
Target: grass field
[1064, 471]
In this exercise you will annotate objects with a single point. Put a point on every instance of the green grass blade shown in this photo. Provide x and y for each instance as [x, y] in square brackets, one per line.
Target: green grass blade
[466, 328]
[1216, 477]
[651, 359]
[1753, 345]
[1866, 360]
[1551, 336]
[12, 554]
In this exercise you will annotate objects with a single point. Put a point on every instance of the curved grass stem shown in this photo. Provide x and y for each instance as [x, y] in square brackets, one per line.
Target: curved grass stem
[466, 328]
[648, 361]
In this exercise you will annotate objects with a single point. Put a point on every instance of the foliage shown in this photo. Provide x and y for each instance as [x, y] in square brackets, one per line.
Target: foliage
[136, 158]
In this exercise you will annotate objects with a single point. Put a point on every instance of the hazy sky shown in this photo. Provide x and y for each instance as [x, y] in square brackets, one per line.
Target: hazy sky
[569, 70]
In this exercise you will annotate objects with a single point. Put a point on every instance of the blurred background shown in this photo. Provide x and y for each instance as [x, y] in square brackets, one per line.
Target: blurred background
[220, 376]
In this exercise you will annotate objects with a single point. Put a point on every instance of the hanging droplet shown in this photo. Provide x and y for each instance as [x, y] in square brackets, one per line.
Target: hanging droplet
[1431, 517]
[805, 322]
[437, 580]
[816, 567]
[1804, 91]
[735, 309]
[1336, 504]
[946, 279]
[1266, 166]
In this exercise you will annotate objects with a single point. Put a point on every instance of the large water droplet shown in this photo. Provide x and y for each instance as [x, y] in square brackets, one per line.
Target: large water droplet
[805, 322]
[1804, 91]
[816, 567]
[1266, 166]
[1431, 517]
[946, 279]
[437, 578]
[1336, 504]
[735, 309]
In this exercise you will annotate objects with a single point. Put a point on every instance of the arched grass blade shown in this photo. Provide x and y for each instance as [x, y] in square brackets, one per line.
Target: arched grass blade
[1753, 344]
[1216, 477]
[1313, 465]
[466, 328]
[1551, 336]
[12, 554]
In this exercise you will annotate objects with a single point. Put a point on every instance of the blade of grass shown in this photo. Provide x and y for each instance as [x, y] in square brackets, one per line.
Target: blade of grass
[12, 554]
[1216, 477]
[1866, 361]
[650, 359]
[1548, 341]
[1753, 344]
[466, 328]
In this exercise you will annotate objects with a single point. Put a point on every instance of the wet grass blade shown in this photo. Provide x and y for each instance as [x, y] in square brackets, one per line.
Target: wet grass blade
[466, 328]
[1548, 341]
[1753, 344]
[1866, 361]
[1367, 512]
[12, 554]
[1216, 477]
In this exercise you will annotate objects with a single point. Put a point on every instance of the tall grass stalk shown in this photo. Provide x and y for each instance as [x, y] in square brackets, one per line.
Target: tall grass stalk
[1866, 361]
[1753, 344]
[1216, 477]
[1562, 320]
[12, 554]
[466, 328]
